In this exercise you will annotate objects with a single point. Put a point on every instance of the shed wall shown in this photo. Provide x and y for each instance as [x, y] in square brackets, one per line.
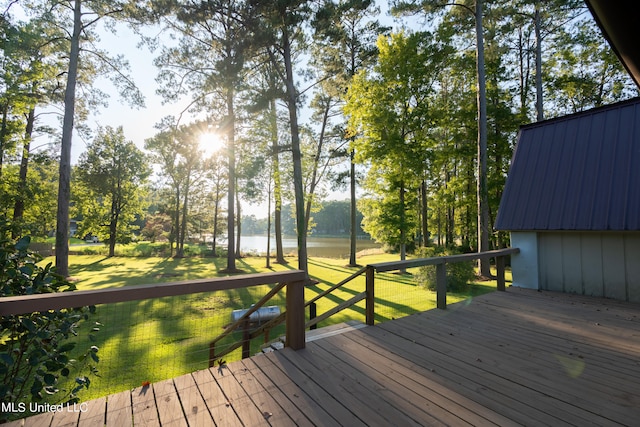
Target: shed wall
[603, 264]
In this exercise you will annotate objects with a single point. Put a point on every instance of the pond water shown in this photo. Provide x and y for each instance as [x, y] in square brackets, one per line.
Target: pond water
[331, 247]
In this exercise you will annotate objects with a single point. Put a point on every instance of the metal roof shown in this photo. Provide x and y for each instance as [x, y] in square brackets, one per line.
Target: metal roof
[577, 172]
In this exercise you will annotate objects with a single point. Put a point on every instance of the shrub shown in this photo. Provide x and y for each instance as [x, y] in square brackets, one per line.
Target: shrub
[36, 349]
[459, 274]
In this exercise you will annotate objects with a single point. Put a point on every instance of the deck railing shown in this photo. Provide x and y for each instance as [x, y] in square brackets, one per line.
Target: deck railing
[293, 281]
[294, 316]
[371, 270]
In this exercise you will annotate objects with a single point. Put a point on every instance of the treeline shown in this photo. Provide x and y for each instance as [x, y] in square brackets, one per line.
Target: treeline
[332, 219]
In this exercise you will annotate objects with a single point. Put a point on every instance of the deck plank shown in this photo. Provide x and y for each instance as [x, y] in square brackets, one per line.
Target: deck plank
[119, 410]
[242, 404]
[144, 409]
[170, 411]
[219, 407]
[271, 411]
[93, 412]
[65, 419]
[192, 402]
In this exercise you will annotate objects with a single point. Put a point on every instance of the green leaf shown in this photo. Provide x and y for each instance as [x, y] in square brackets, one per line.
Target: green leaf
[49, 379]
[23, 244]
[28, 324]
[7, 359]
[66, 347]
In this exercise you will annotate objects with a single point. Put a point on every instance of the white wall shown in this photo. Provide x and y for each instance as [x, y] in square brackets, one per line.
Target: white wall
[524, 266]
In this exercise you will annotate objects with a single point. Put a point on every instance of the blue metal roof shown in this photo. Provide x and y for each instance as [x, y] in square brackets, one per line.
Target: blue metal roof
[577, 172]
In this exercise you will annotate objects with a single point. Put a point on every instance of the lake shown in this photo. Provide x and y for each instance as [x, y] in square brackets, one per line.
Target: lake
[330, 247]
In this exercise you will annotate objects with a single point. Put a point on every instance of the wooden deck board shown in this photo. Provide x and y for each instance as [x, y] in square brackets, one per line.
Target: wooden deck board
[144, 409]
[193, 405]
[219, 407]
[119, 411]
[514, 358]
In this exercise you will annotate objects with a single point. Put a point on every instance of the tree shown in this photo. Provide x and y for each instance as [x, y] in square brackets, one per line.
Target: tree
[389, 109]
[278, 26]
[346, 44]
[113, 171]
[177, 151]
[76, 19]
[209, 61]
[476, 10]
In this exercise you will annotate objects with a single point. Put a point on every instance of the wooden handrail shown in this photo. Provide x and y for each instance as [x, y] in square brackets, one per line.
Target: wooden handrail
[56, 301]
[419, 262]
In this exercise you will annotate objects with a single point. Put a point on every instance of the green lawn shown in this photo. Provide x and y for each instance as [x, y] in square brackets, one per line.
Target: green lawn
[156, 339]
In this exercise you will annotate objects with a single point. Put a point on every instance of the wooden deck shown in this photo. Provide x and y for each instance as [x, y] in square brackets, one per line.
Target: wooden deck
[507, 358]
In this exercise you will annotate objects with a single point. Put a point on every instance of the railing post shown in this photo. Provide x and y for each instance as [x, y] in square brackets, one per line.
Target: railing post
[500, 273]
[370, 299]
[246, 341]
[295, 316]
[313, 312]
[441, 285]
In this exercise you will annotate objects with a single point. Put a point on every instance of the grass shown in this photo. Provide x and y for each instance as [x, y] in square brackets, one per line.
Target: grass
[161, 338]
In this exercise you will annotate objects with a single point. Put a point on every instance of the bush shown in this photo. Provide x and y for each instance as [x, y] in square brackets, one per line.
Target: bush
[36, 363]
[459, 274]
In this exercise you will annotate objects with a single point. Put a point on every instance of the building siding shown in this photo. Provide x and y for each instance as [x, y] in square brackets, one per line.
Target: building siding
[602, 264]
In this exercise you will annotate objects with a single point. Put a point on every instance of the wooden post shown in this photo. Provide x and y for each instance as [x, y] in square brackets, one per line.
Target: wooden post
[500, 273]
[295, 316]
[313, 312]
[246, 340]
[370, 299]
[441, 285]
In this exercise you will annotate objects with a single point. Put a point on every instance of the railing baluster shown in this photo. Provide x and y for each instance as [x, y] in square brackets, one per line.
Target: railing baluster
[313, 312]
[441, 285]
[500, 273]
[370, 300]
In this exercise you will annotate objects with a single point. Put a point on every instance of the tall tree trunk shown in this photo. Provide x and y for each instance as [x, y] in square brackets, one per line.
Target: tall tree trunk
[277, 183]
[113, 228]
[316, 164]
[538, 31]
[18, 209]
[483, 197]
[424, 214]
[176, 223]
[216, 208]
[238, 225]
[353, 212]
[183, 225]
[268, 264]
[64, 182]
[296, 154]
[231, 152]
[3, 134]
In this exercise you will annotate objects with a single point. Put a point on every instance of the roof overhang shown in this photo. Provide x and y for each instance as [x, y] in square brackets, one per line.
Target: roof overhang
[620, 24]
